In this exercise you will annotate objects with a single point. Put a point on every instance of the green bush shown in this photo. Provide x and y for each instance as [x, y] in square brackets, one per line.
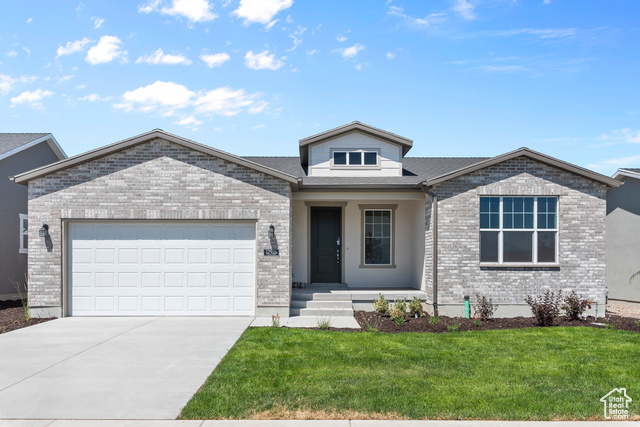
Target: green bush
[415, 307]
[484, 308]
[381, 305]
[398, 311]
[433, 320]
[453, 328]
[575, 305]
[545, 307]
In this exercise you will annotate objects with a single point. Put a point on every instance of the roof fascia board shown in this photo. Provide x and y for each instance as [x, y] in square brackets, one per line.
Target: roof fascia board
[387, 136]
[621, 173]
[25, 177]
[534, 155]
[51, 141]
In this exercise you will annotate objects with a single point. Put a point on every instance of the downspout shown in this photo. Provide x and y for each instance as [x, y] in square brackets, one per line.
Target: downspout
[434, 230]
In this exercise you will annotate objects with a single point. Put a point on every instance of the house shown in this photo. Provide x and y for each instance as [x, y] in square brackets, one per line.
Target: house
[623, 236]
[158, 224]
[19, 152]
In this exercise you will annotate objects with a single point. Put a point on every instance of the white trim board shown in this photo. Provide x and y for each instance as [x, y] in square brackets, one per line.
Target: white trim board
[49, 138]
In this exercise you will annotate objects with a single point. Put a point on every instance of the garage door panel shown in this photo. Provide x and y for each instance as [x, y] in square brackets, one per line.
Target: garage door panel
[158, 269]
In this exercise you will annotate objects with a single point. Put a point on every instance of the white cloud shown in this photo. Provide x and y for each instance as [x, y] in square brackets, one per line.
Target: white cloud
[543, 33]
[12, 53]
[94, 97]
[464, 9]
[297, 37]
[97, 21]
[29, 21]
[427, 21]
[172, 99]
[65, 78]
[626, 135]
[260, 11]
[271, 24]
[262, 60]
[26, 49]
[621, 162]
[32, 98]
[390, 55]
[107, 49]
[341, 38]
[193, 10]
[312, 52]
[502, 68]
[260, 126]
[73, 47]
[8, 83]
[159, 57]
[546, 1]
[215, 60]
[190, 122]
[351, 51]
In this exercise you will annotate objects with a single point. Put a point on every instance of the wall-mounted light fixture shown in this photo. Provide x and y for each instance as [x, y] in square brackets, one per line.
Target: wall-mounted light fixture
[272, 232]
[44, 231]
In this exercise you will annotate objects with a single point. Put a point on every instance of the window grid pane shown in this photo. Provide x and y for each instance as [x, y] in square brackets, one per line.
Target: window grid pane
[355, 158]
[518, 213]
[371, 158]
[339, 158]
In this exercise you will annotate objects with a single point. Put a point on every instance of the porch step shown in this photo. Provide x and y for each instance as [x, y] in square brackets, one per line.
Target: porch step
[312, 303]
[321, 312]
[303, 295]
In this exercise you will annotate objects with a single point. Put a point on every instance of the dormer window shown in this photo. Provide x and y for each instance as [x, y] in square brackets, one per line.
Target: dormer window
[356, 158]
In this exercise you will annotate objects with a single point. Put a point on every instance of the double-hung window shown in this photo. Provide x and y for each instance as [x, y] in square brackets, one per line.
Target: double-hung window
[24, 235]
[520, 230]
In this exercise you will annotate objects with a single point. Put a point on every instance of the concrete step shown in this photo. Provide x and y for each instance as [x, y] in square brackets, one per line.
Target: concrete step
[320, 304]
[320, 312]
[320, 296]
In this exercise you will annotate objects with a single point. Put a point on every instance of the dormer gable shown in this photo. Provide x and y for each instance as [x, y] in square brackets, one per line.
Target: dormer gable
[355, 149]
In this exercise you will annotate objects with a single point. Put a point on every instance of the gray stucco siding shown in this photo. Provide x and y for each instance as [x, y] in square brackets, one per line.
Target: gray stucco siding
[159, 180]
[581, 221]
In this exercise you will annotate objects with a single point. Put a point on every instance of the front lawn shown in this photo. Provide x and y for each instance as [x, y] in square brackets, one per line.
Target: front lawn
[536, 373]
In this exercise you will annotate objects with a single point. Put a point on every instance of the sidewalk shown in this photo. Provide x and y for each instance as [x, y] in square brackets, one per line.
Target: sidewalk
[299, 423]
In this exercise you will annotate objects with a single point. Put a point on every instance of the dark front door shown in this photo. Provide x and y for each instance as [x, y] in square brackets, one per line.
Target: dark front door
[326, 235]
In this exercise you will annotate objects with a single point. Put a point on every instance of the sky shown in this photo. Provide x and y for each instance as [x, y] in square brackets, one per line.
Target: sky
[252, 77]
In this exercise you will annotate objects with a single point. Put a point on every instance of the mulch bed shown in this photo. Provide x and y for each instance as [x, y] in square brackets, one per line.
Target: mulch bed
[12, 317]
[371, 319]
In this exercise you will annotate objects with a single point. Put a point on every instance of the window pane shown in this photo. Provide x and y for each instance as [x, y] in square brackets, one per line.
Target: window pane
[386, 217]
[495, 220]
[518, 220]
[489, 246]
[507, 221]
[507, 204]
[528, 220]
[355, 158]
[25, 240]
[25, 225]
[517, 246]
[547, 246]
[339, 158]
[547, 216]
[370, 158]
[489, 212]
[377, 251]
[542, 221]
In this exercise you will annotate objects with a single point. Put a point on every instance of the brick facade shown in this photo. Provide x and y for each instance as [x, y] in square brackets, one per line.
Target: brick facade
[581, 222]
[159, 180]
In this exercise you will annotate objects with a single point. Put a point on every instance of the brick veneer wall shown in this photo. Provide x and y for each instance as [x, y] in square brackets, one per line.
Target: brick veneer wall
[159, 180]
[581, 220]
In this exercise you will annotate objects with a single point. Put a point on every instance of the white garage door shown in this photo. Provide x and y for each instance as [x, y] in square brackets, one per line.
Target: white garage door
[125, 268]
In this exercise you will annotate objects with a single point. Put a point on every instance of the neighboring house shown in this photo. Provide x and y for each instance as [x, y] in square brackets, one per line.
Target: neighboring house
[623, 236]
[19, 152]
[159, 225]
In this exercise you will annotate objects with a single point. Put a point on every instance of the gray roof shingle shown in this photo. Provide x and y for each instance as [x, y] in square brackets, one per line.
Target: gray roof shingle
[11, 141]
[415, 170]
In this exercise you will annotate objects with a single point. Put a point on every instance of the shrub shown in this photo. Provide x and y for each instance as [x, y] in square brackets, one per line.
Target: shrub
[545, 307]
[324, 322]
[398, 311]
[275, 320]
[415, 307]
[484, 308]
[433, 320]
[453, 328]
[477, 322]
[575, 305]
[381, 305]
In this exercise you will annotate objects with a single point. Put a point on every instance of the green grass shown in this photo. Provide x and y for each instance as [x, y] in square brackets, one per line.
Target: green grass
[536, 373]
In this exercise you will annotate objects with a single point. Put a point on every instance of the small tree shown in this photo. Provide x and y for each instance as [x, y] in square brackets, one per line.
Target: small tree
[545, 307]
[575, 305]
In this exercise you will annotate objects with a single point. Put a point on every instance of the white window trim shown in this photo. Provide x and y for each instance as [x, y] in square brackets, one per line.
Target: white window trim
[534, 240]
[22, 249]
[356, 166]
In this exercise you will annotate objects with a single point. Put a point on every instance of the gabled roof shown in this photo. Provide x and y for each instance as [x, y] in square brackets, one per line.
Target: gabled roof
[534, 155]
[405, 143]
[24, 178]
[12, 143]
[627, 172]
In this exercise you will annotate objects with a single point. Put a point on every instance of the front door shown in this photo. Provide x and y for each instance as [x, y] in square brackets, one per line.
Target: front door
[326, 235]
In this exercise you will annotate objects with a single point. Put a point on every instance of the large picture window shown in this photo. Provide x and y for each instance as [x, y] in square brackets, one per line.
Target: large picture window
[522, 230]
[378, 236]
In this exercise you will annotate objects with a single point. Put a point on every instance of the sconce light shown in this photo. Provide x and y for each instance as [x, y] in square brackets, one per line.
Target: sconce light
[272, 232]
[44, 231]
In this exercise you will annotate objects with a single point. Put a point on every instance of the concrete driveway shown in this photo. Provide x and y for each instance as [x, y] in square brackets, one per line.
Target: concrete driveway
[111, 368]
